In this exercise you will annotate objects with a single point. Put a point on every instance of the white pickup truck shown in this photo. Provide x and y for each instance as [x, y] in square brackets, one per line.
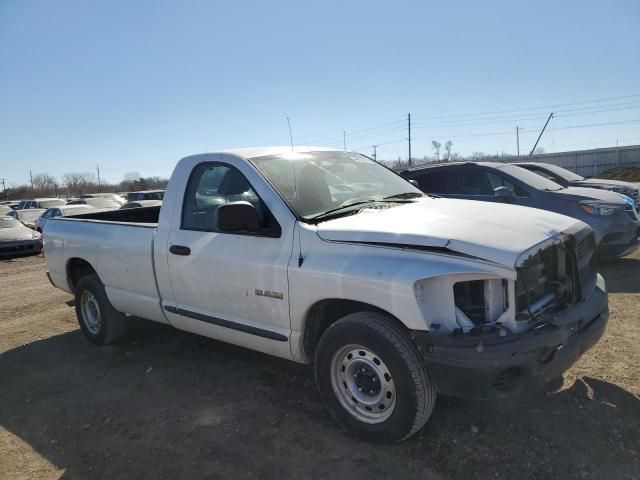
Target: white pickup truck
[327, 257]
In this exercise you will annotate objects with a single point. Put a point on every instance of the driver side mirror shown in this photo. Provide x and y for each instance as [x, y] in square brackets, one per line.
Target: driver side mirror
[238, 216]
[503, 193]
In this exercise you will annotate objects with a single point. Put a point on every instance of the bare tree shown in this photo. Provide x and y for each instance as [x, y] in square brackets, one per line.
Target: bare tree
[78, 183]
[436, 148]
[44, 184]
[447, 150]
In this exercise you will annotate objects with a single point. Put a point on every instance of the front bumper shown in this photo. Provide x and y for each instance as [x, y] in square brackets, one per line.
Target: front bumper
[621, 238]
[20, 247]
[490, 365]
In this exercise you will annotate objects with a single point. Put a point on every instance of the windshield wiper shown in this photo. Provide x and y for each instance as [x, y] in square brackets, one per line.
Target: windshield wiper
[339, 211]
[404, 195]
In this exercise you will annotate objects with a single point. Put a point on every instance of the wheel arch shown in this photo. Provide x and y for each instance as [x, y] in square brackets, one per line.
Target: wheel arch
[324, 313]
[78, 268]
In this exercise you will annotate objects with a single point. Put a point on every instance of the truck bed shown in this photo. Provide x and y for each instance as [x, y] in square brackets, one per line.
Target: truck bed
[145, 215]
[118, 245]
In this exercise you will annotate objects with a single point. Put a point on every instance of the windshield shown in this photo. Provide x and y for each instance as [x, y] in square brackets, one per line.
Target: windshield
[8, 222]
[100, 202]
[52, 203]
[77, 210]
[563, 173]
[532, 179]
[313, 183]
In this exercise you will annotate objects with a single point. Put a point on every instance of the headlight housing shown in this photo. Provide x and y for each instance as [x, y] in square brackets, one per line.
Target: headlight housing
[601, 209]
[35, 236]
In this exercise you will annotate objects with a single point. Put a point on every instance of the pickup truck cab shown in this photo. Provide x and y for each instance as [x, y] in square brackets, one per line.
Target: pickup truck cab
[327, 257]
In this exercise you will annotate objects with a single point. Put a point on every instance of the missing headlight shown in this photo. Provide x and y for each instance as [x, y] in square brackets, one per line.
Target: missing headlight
[482, 301]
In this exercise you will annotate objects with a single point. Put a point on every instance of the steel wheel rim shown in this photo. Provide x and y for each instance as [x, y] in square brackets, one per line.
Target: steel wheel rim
[363, 384]
[90, 312]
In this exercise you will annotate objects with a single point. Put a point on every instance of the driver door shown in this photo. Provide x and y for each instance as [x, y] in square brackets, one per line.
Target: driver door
[230, 286]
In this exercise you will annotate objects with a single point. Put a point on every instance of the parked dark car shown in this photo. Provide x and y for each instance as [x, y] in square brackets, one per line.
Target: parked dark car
[567, 178]
[614, 219]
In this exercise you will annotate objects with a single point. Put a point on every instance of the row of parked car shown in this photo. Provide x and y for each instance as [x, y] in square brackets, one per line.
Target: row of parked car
[22, 222]
[609, 207]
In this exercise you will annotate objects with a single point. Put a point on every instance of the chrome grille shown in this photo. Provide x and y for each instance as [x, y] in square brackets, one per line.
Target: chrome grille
[587, 264]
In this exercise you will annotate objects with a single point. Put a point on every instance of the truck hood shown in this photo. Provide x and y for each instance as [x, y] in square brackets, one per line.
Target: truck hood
[496, 232]
[584, 193]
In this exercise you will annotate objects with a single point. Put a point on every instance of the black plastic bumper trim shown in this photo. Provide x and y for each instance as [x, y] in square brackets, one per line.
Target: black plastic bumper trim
[488, 365]
[260, 332]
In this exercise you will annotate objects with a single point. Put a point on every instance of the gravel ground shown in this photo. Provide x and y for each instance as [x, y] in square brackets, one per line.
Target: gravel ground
[167, 404]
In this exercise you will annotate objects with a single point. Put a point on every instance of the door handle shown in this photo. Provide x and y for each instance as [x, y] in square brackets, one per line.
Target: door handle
[180, 250]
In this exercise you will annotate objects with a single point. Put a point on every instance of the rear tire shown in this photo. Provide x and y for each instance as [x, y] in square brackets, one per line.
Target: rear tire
[372, 379]
[100, 322]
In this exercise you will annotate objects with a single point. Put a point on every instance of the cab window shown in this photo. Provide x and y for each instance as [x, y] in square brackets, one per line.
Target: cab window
[212, 185]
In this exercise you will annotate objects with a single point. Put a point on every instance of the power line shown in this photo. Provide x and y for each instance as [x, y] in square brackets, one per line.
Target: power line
[544, 107]
[510, 132]
[339, 136]
[532, 116]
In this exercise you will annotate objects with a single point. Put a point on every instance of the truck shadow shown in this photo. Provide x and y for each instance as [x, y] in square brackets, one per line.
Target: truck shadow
[622, 275]
[167, 404]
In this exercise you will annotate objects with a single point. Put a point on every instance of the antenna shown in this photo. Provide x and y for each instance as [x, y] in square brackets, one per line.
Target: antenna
[290, 134]
[344, 139]
[409, 127]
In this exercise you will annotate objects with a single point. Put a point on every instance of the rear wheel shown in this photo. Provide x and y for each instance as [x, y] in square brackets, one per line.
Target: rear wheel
[373, 379]
[100, 322]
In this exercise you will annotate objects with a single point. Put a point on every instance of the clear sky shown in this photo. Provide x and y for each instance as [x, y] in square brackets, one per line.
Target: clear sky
[136, 85]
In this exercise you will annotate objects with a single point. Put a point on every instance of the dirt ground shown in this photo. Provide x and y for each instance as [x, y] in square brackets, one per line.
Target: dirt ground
[167, 404]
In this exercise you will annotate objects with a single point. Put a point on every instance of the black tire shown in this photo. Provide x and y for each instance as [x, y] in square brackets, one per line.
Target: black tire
[415, 392]
[112, 324]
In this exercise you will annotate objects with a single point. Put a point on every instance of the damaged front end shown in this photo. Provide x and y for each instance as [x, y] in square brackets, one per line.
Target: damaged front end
[509, 332]
[555, 277]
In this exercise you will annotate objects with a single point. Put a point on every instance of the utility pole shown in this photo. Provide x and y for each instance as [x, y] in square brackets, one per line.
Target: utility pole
[375, 152]
[98, 168]
[540, 136]
[31, 177]
[290, 134]
[409, 127]
[518, 139]
[4, 188]
[344, 139]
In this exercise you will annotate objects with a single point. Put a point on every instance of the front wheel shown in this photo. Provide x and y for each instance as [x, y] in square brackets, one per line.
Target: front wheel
[373, 379]
[100, 322]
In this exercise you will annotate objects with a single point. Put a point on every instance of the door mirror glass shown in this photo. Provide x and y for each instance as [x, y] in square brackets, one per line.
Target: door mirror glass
[238, 217]
[503, 193]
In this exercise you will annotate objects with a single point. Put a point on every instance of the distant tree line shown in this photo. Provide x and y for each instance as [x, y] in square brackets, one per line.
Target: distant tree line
[74, 184]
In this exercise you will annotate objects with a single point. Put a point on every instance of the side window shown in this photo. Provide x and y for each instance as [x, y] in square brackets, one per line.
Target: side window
[473, 181]
[544, 173]
[500, 181]
[212, 185]
[436, 181]
[56, 213]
